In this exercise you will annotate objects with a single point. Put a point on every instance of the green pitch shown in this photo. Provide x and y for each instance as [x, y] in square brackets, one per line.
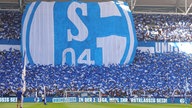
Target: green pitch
[94, 105]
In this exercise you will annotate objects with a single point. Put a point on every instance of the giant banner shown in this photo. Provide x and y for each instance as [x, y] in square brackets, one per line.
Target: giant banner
[93, 33]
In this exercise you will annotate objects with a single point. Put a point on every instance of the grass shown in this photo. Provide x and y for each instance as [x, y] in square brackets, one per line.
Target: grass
[94, 105]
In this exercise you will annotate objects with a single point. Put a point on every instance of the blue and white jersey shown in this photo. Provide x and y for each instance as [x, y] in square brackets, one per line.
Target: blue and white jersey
[19, 94]
[93, 33]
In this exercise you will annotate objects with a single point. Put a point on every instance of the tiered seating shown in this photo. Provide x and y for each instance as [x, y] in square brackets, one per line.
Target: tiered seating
[164, 27]
[158, 75]
[10, 24]
[148, 27]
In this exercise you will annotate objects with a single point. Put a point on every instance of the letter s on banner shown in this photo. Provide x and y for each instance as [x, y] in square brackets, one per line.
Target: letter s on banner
[74, 32]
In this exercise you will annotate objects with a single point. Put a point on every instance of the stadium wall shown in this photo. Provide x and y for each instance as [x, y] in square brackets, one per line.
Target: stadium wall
[7, 44]
[95, 100]
[152, 47]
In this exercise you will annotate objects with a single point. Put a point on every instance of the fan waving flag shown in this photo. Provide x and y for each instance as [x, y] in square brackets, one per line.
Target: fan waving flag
[23, 75]
[93, 33]
[186, 85]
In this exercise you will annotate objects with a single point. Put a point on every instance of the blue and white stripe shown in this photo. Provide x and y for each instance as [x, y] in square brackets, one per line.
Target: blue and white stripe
[110, 26]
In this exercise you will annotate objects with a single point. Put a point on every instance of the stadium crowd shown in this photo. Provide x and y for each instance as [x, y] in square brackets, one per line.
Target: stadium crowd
[151, 75]
[148, 27]
[10, 24]
[158, 27]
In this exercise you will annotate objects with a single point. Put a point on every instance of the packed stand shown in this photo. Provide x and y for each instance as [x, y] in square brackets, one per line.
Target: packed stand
[149, 27]
[150, 75]
[10, 24]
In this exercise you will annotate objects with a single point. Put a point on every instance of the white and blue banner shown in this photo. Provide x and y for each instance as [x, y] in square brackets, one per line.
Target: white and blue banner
[165, 47]
[93, 33]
